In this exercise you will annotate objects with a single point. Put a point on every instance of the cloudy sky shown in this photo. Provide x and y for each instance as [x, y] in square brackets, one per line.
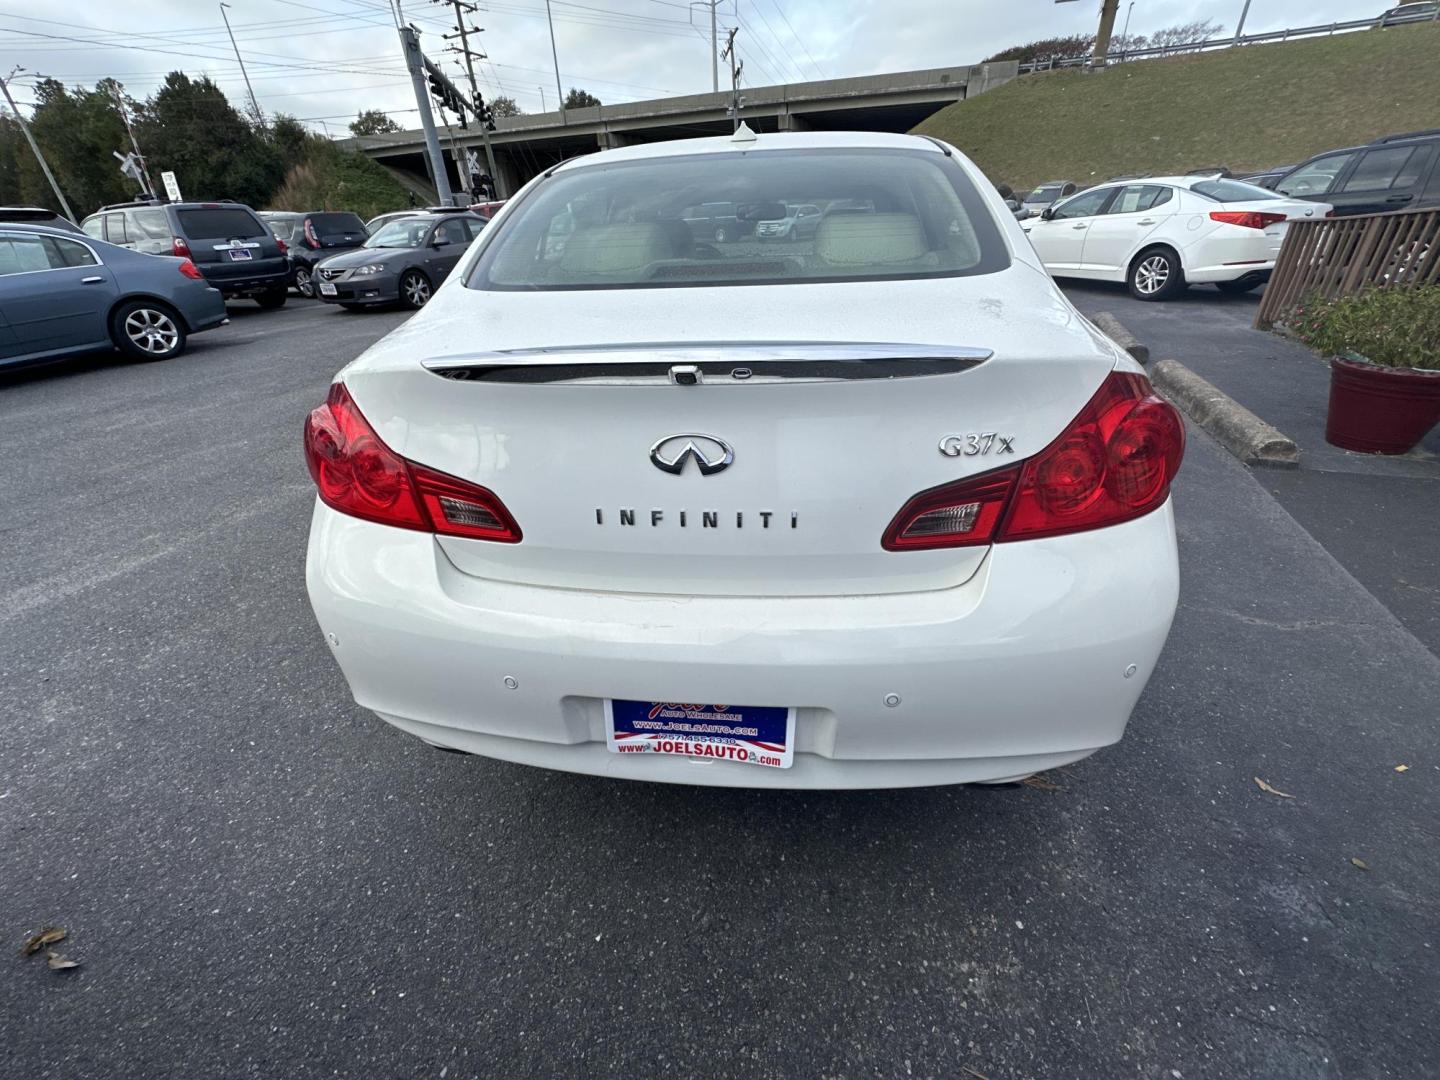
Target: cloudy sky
[322, 60]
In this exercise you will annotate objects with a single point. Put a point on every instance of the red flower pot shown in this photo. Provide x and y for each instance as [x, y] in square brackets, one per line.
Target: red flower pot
[1380, 410]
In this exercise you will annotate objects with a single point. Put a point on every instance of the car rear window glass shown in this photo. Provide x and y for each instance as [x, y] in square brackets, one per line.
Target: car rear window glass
[336, 224]
[1379, 170]
[693, 220]
[1231, 191]
[152, 224]
[220, 224]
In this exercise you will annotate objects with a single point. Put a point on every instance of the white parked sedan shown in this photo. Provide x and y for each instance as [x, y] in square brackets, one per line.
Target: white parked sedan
[875, 509]
[1162, 233]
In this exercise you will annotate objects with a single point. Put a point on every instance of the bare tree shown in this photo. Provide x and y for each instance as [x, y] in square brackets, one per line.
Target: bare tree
[1190, 33]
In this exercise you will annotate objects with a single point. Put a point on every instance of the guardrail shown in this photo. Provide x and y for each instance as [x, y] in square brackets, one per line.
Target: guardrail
[1344, 256]
[1209, 44]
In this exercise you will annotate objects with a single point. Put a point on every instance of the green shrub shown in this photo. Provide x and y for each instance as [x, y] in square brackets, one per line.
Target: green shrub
[1393, 327]
[335, 179]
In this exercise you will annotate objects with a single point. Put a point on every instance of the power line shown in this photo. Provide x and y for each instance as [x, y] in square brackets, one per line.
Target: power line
[798, 39]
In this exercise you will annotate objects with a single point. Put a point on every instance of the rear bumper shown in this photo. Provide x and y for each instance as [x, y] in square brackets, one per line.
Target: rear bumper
[250, 284]
[203, 309]
[1022, 668]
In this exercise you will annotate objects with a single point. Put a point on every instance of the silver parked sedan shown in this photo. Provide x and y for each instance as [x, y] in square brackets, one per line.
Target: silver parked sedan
[404, 262]
[62, 294]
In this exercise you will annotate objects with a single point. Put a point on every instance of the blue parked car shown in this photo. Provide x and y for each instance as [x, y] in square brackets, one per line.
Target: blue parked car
[62, 293]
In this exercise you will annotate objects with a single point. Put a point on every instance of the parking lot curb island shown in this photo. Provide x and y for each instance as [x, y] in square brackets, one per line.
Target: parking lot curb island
[1115, 330]
[1235, 427]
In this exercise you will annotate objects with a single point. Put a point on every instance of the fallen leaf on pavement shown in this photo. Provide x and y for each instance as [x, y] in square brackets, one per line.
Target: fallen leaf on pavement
[972, 1072]
[1360, 863]
[48, 936]
[1039, 783]
[1273, 791]
[1402, 768]
[58, 962]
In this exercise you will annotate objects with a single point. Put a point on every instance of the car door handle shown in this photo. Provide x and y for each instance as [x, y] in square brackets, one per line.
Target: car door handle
[1147, 221]
[91, 280]
[1077, 226]
[1399, 198]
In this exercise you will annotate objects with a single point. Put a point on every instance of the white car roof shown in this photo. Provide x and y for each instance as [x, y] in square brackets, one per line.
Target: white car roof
[725, 144]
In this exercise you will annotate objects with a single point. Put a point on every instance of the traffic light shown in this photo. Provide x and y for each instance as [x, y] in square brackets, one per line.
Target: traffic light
[484, 114]
[444, 91]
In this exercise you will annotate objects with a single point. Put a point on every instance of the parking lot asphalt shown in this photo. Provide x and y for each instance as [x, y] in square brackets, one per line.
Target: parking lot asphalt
[260, 879]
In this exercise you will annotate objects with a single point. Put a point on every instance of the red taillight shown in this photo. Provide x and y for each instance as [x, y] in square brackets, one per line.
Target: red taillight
[190, 270]
[311, 240]
[179, 247]
[1246, 219]
[359, 475]
[284, 247]
[1113, 463]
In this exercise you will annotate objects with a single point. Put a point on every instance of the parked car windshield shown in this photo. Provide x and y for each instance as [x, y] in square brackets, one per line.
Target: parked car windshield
[1046, 193]
[220, 224]
[1232, 191]
[405, 233]
[692, 220]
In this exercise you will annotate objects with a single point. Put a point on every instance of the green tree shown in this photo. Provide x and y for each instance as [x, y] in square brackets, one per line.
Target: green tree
[506, 106]
[1040, 52]
[580, 99]
[373, 122]
[292, 139]
[189, 126]
[12, 151]
[79, 130]
[334, 179]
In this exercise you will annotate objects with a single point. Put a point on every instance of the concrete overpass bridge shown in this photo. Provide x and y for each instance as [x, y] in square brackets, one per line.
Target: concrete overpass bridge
[527, 145]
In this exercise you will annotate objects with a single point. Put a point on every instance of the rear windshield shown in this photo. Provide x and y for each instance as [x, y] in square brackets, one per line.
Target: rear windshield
[1048, 193]
[336, 224]
[1232, 191]
[713, 219]
[223, 224]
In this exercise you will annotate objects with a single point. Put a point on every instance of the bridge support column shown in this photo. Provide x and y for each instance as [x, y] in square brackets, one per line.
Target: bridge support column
[790, 122]
[613, 140]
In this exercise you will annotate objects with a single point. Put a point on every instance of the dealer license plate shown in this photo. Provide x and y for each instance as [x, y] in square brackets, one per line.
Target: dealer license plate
[744, 734]
[326, 289]
[239, 255]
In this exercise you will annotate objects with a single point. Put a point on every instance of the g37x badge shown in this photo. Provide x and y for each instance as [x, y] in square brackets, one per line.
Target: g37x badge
[976, 443]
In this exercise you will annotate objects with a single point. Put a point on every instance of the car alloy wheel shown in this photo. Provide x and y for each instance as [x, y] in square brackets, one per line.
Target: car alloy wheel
[1152, 275]
[415, 289]
[303, 282]
[152, 332]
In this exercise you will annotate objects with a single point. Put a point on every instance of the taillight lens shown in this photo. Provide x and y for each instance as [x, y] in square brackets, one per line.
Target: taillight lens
[190, 270]
[284, 247]
[359, 475]
[961, 514]
[311, 240]
[179, 247]
[1113, 463]
[1246, 219]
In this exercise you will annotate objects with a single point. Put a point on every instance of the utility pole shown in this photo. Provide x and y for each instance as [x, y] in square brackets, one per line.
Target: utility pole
[254, 105]
[134, 145]
[736, 67]
[463, 9]
[1108, 10]
[1240, 27]
[35, 148]
[543, 106]
[714, 40]
[414, 60]
[555, 56]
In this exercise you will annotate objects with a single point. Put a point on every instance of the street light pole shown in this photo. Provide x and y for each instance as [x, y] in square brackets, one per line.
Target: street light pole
[35, 148]
[1125, 34]
[254, 105]
[1240, 27]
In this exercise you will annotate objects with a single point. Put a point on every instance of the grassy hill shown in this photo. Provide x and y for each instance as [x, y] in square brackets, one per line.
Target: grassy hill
[1244, 108]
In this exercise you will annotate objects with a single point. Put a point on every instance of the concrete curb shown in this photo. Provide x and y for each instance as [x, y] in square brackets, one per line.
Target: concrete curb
[1235, 427]
[1115, 330]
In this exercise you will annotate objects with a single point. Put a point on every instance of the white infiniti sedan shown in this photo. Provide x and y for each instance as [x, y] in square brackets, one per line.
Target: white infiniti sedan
[879, 509]
[1162, 233]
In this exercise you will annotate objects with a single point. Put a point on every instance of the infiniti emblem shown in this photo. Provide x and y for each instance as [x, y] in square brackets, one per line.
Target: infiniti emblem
[711, 455]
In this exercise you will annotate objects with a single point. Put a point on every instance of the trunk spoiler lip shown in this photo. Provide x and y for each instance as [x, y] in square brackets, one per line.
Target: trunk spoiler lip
[730, 361]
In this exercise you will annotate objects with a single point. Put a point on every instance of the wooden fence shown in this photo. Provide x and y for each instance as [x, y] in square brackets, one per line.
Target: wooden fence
[1344, 256]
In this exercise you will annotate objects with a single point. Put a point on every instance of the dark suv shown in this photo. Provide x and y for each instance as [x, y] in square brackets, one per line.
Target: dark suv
[311, 237]
[231, 246]
[1397, 172]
